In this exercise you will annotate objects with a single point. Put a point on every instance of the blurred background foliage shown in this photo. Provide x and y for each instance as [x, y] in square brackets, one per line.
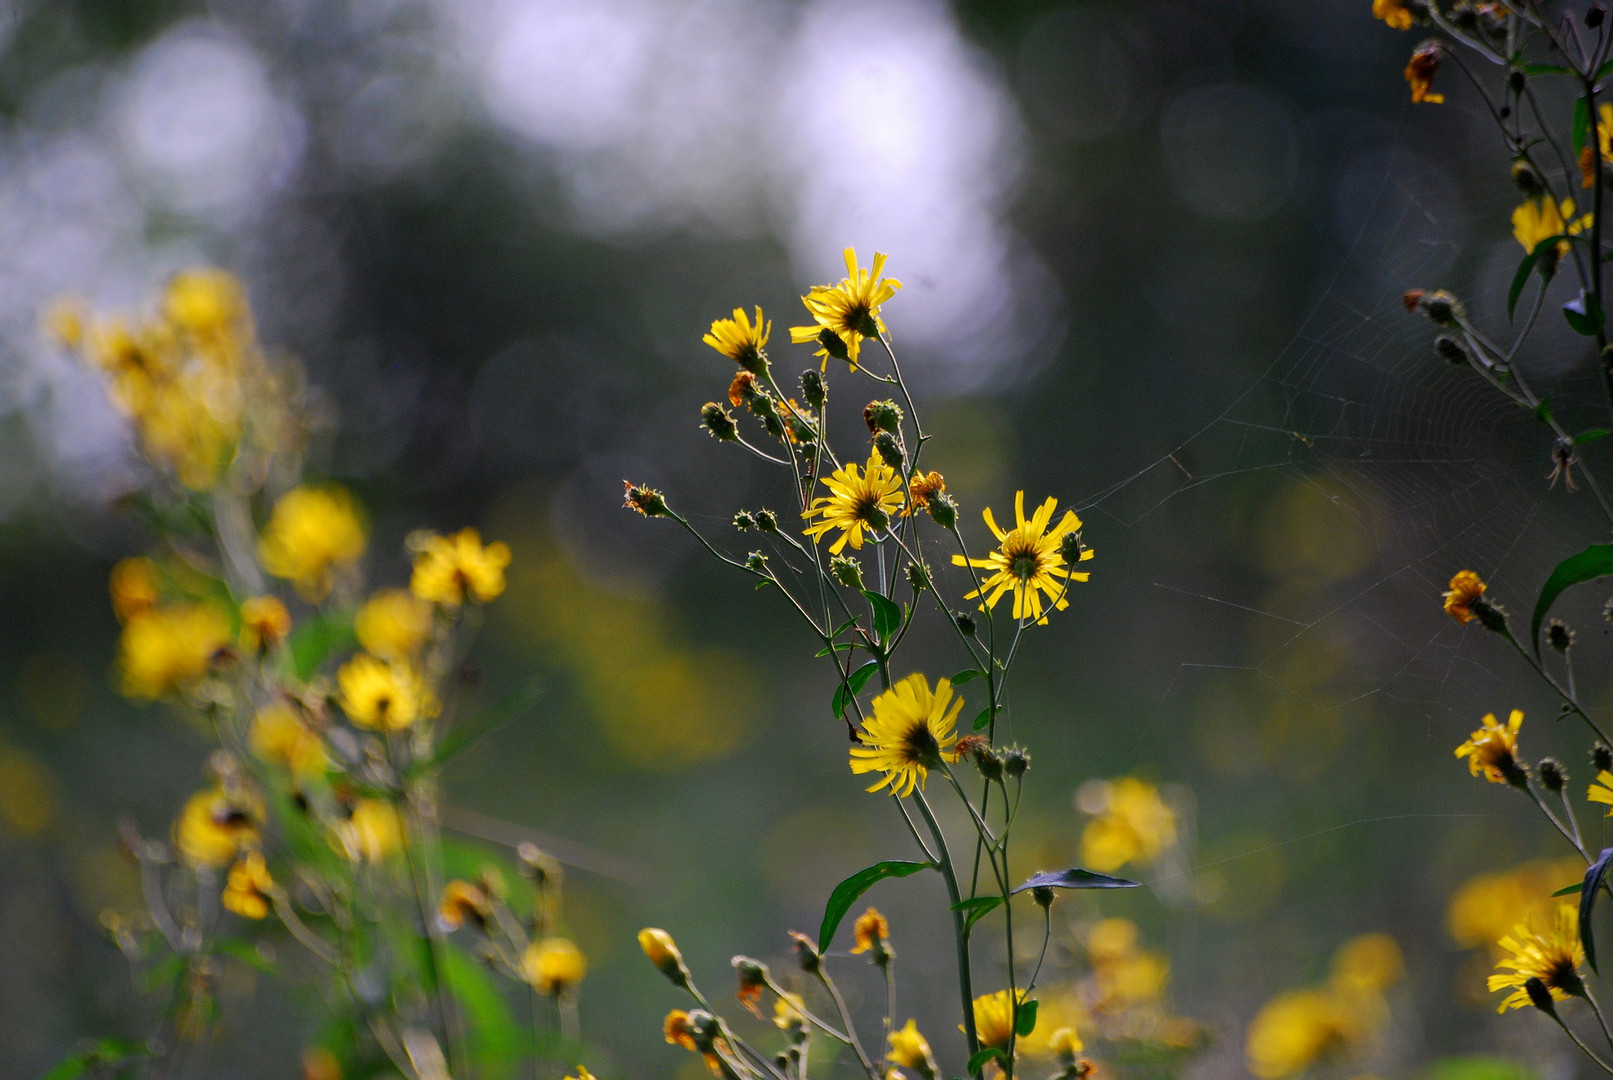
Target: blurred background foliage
[1153, 252]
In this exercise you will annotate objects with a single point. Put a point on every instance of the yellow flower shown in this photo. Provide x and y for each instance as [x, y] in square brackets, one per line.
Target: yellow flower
[856, 502]
[907, 732]
[133, 586]
[1601, 790]
[461, 902]
[213, 827]
[205, 302]
[663, 953]
[1553, 957]
[1492, 750]
[311, 533]
[1488, 906]
[1465, 588]
[1536, 220]
[741, 340]
[1029, 560]
[372, 832]
[1420, 72]
[1370, 963]
[1125, 975]
[381, 695]
[1393, 12]
[279, 736]
[1065, 1042]
[448, 569]
[393, 623]
[789, 1011]
[994, 1018]
[1133, 824]
[166, 649]
[872, 930]
[582, 1074]
[247, 889]
[911, 1050]
[1294, 1030]
[847, 312]
[678, 1030]
[264, 622]
[554, 966]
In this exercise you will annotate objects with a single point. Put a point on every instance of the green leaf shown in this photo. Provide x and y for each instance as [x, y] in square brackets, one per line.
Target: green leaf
[1582, 124]
[968, 675]
[1584, 314]
[843, 646]
[978, 909]
[1592, 886]
[847, 691]
[846, 893]
[983, 719]
[461, 736]
[887, 616]
[1074, 878]
[248, 954]
[316, 640]
[1545, 69]
[1025, 1018]
[496, 1041]
[105, 1052]
[1569, 890]
[1607, 66]
[1594, 562]
[990, 1053]
[1543, 410]
[1591, 435]
[1520, 279]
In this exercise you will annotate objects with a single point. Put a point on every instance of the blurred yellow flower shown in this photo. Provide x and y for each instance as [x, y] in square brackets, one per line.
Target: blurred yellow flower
[212, 828]
[1536, 220]
[907, 732]
[857, 502]
[1492, 750]
[311, 533]
[663, 952]
[1370, 963]
[463, 902]
[165, 649]
[383, 695]
[1488, 906]
[133, 585]
[1420, 72]
[1465, 588]
[1552, 956]
[872, 931]
[205, 302]
[1065, 1042]
[1029, 560]
[264, 622]
[279, 736]
[247, 889]
[994, 1018]
[911, 1050]
[847, 311]
[449, 569]
[677, 1029]
[1293, 1031]
[582, 1074]
[393, 623]
[739, 339]
[789, 1011]
[1393, 12]
[1604, 137]
[1132, 824]
[372, 832]
[554, 966]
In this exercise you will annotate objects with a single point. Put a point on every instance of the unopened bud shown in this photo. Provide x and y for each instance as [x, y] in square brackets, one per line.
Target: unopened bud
[831, 344]
[1071, 548]
[663, 953]
[1491, 616]
[718, 422]
[1043, 895]
[756, 561]
[889, 450]
[646, 500]
[1450, 350]
[943, 509]
[965, 622]
[744, 521]
[1602, 757]
[1539, 996]
[1552, 776]
[918, 576]
[806, 953]
[1528, 179]
[767, 521]
[883, 416]
[813, 388]
[847, 571]
[1594, 17]
[1015, 762]
[1559, 636]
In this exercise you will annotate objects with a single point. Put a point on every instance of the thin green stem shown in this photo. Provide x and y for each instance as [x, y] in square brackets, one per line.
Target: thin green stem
[960, 935]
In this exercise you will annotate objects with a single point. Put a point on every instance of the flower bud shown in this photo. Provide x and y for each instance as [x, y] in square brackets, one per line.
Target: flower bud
[943, 509]
[1539, 996]
[1015, 762]
[1071, 548]
[744, 521]
[1559, 636]
[1594, 17]
[1043, 895]
[1491, 616]
[1450, 350]
[718, 422]
[813, 388]
[965, 622]
[1528, 179]
[767, 521]
[830, 342]
[1441, 308]
[756, 561]
[1602, 757]
[806, 953]
[663, 953]
[752, 980]
[889, 450]
[847, 571]
[1552, 776]
[918, 576]
[883, 416]
[646, 500]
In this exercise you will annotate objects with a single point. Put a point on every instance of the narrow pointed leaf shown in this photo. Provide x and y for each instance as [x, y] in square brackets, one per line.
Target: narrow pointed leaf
[1594, 562]
[983, 719]
[1591, 435]
[1569, 890]
[1074, 878]
[853, 684]
[968, 675]
[1521, 278]
[978, 909]
[846, 893]
[1592, 885]
[887, 616]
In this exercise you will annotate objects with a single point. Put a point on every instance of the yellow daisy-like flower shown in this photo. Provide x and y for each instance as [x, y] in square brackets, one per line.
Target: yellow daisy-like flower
[448, 570]
[1133, 824]
[858, 502]
[393, 623]
[1553, 957]
[554, 966]
[1492, 750]
[278, 735]
[1029, 561]
[907, 733]
[1488, 906]
[1601, 790]
[1294, 1030]
[247, 889]
[133, 585]
[1465, 588]
[994, 1018]
[166, 649]
[311, 533]
[741, 340]
[872, 930]
[264, 622]
[846, 313]
[1367, 964]
[373, 831]
[1392, 12]
[1540, 219]
[212, 828]
[911, 1050]
[383, 695]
